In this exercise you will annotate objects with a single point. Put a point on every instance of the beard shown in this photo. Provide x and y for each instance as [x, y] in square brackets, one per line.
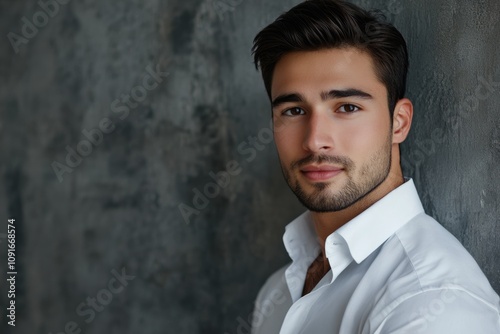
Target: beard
[360, 180]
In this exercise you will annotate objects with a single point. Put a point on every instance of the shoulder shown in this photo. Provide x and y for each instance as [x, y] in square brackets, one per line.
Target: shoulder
[437, 286]
[441, 310]
[438, 258]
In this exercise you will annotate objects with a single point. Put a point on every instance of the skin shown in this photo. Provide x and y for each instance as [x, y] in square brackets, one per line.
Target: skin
[339, 154]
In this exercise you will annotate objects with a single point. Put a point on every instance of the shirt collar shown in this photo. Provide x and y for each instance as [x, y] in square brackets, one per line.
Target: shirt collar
[371, 228]
[358, 238]
[300, 238]
[303, 247]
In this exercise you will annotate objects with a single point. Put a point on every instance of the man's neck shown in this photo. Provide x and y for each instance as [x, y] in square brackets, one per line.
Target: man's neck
[326, 223]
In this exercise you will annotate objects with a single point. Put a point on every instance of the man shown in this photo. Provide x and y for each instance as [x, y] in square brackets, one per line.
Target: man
[365, 256]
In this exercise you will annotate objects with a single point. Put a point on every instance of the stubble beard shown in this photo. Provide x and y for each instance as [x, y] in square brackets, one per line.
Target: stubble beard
[321, 199]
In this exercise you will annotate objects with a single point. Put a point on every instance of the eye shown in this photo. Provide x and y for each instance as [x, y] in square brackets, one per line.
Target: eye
[348, 108]
[296, 111]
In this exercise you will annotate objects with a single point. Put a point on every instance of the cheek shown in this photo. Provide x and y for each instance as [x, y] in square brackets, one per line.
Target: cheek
[283, 142]
[288, 141]
[365, 137]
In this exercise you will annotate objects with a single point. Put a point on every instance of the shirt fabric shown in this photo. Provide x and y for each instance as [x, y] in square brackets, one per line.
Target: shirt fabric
[394, 269]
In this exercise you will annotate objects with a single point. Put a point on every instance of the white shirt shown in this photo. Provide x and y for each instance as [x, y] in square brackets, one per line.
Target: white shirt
[394, 269]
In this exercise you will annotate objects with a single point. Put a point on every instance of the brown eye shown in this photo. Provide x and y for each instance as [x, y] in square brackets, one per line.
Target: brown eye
[294, 112]
[348, 108]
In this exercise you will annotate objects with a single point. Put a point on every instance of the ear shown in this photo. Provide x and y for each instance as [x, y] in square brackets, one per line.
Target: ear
[401, 121]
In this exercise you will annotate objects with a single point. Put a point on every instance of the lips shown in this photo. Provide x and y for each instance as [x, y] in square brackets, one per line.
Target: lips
[320, 173]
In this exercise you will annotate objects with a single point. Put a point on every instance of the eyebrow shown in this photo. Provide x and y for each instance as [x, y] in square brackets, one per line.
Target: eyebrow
[332, 94]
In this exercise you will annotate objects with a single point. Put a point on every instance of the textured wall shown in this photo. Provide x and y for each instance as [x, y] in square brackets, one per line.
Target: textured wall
[167, 93]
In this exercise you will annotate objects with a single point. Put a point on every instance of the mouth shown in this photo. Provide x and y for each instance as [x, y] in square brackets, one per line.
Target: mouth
[320, 173]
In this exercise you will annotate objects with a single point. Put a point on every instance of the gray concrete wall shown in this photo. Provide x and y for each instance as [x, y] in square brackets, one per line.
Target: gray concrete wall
[117, 212]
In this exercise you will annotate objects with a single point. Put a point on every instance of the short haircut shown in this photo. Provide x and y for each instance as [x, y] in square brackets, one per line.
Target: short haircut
[321, 24]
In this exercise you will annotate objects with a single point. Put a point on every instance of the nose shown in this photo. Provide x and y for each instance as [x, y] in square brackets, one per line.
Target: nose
[319, 133]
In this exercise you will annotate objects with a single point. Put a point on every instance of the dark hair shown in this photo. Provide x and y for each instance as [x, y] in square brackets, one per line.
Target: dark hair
[320, 24]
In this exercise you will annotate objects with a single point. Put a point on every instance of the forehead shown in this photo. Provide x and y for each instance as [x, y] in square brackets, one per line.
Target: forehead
[336, 68]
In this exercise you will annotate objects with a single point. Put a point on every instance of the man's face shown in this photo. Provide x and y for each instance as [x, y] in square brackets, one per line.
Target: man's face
[332, 126]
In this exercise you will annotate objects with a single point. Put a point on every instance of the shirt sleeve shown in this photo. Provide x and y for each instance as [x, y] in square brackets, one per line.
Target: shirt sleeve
[442, 311]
